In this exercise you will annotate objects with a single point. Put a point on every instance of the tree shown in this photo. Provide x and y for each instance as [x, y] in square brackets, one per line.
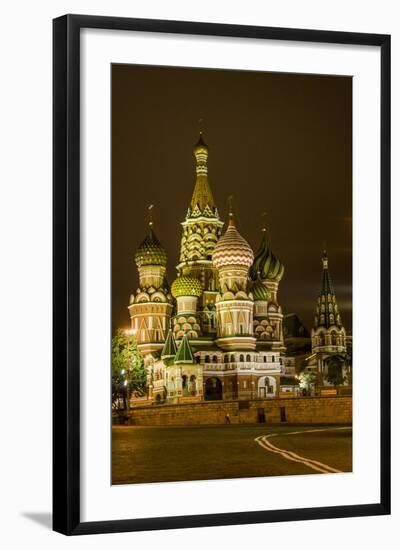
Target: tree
[128, 373]
[307, 379]
[349, 365]
[335, 365]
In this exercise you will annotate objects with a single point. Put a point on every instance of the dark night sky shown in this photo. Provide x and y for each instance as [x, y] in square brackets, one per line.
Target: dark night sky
[280, 143]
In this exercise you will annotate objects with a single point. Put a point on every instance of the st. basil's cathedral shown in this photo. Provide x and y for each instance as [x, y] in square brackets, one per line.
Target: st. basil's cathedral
[218, 332]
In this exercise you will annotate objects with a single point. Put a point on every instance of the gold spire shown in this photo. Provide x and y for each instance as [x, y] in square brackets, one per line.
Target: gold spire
[325, 259]
[324, 256]
[202, 195]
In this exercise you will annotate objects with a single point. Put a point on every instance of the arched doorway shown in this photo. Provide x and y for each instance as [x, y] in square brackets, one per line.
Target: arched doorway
[213, 390]
[266, 386]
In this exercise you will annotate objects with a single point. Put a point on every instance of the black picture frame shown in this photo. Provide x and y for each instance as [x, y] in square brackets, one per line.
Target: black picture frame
[66, 273]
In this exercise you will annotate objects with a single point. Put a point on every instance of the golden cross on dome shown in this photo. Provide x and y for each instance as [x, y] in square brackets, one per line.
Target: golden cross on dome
[230, 206]
[264, 221]
[150, 211]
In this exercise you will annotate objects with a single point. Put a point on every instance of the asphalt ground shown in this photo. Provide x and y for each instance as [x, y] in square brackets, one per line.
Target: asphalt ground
[154, 454]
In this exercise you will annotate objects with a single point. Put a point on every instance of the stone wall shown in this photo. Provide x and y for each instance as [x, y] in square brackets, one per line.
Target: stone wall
[302, 410]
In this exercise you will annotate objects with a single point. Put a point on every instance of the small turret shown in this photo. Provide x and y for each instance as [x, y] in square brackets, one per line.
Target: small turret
[169, 349]
[327, 311]
[184, 354]
[328, 334]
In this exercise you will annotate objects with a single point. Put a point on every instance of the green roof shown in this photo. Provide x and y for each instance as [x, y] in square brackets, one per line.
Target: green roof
[169, 349]
[184, 354]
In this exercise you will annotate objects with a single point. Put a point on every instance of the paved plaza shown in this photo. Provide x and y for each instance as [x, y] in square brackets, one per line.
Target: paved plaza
[156, 454]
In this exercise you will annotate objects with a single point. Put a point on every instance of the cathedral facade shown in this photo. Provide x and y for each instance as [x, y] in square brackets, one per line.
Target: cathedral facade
[217, 331]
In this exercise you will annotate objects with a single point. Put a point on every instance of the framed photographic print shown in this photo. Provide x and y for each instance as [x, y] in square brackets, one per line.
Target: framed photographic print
[221, 274]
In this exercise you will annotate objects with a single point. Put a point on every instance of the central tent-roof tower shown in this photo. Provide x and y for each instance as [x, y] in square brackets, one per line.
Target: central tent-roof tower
[201, 230]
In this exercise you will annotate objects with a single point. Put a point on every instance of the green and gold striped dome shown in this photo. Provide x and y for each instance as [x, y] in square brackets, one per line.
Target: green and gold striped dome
[186, 286]
[266, 265]
[151, 251]
[260, 292]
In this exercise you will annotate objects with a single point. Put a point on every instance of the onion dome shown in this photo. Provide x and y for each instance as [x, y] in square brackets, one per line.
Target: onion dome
[151, 251]
[232, 249]
[186, 286]
[260, 292]
[266, 265]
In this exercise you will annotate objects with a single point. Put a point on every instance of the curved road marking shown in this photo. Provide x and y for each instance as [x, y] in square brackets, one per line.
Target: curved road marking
[262, 440]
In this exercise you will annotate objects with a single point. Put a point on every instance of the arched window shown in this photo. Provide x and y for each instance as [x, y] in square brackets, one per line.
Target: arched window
[207, 359]
[273, 358]
[248, 358]
[241, 358]
[232, 358]
[226, 358]
[192, 385]
[265, 358]
[215, 359]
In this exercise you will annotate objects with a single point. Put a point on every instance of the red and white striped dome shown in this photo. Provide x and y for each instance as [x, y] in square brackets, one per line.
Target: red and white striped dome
[232, 249]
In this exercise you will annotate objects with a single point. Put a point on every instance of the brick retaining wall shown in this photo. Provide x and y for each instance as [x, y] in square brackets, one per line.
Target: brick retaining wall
[303, 410]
